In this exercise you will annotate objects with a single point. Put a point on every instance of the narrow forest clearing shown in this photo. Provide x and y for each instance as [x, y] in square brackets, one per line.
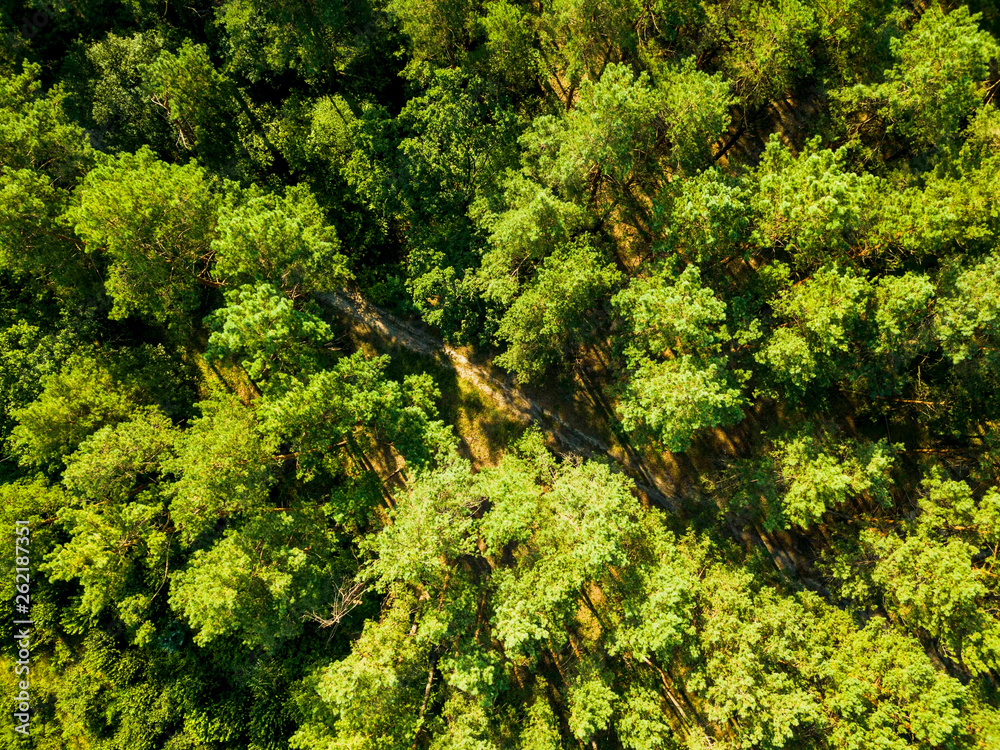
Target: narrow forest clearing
[503, 411]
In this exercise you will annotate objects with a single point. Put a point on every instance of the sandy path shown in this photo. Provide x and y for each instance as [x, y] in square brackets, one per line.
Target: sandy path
[570, 440]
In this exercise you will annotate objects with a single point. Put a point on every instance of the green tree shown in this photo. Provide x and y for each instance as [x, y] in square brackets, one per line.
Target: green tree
[121, 106]
[697, 114]
[275, 343]
[115, 552]
[765, 672]
[37, 132]
[283, 240]
[310, 38]
[902, 315]
[937, 80]
[766, 45]
[816, 479]
[259, 581]
[156, 223]
[825, 318]
[591, 705]
[448, 146]
[566, 538]
[533, 222]
[372, 698]
[549, 314]
[673, 315]
[223, 465]
[439, 31]
[510, 43]
[353, 405]
[43, 154]
[705, 217]
[679, 383]
[969, 312]
[191, 94]
[74, 403]
[120, 459]
[567, 153]
[671, 400]
[810, 205]
[934, 577]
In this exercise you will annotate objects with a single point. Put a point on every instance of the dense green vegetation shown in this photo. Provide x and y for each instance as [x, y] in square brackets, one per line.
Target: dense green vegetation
[760, 236]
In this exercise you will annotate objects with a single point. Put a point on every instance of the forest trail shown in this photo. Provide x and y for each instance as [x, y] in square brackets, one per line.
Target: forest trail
[569, 440]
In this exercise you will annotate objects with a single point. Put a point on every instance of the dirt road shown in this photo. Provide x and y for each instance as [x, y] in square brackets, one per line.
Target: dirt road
[568, 439]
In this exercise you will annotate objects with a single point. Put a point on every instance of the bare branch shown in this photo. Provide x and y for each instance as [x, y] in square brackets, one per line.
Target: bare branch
[348, 595]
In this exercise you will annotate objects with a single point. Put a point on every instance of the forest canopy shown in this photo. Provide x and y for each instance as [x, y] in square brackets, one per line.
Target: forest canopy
[459, 375]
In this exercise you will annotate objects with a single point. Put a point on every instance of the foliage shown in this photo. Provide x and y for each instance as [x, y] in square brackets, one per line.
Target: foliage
[740, 489]
[191, 93]
[823, 316]
[282, 240]
[810, 204]
[272, 340]
[770, 49]
[816, 481]
[673, 399]
[43, 153]
[679, 384]
[564, 151]
[539, 326]
[75, 402]
[935, 83]
[155, 222]
[223, 466]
